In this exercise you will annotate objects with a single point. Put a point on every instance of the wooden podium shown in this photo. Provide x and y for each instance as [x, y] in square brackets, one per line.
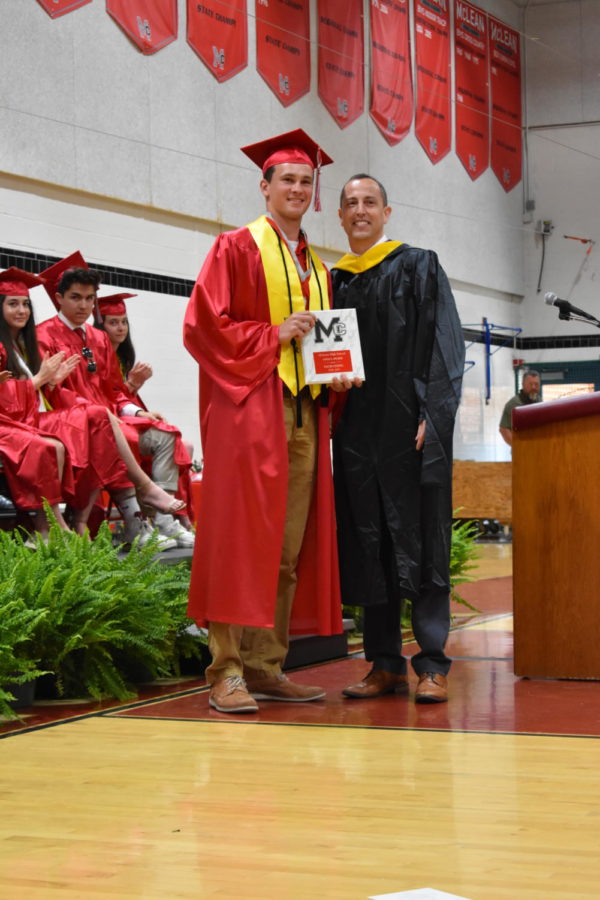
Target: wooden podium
[556, 538]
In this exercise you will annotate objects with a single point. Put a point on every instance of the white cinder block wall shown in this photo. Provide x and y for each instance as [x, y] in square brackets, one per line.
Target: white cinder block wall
[134, 160]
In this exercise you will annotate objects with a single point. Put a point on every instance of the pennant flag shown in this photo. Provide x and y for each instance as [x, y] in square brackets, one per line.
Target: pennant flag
[432, 52]
[283, 47]
[151, 24]
[505, 85]
[341, 59]
[471, 111]
[56, 8]
[391, 76]
[218, 32]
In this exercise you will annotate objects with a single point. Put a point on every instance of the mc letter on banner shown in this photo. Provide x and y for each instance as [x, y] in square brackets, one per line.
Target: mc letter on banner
[505, 82]
[391, 77]
[218, 31]
[283, 47]
[56, 8]
[471, 81]
[151, 24]
[432, 52]
[341, 59]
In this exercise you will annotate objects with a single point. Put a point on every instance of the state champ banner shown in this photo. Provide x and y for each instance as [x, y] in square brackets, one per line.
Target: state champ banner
[283, 47]
[432, 55]
[341, 59]
[56, 8]
[151, 24]
[505, 84]
[472, 107]
[217, 30]
[391, 75]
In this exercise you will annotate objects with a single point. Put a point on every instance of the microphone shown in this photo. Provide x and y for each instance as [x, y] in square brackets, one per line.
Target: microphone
[566, 308]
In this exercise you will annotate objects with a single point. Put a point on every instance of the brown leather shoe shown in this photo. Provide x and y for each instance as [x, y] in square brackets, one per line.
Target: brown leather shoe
[229, 695]
[377, 683]
[279, 687]
[432, 688]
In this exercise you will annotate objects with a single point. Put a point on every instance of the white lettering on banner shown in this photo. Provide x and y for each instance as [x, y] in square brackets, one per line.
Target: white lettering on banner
[218, 58]
[144, 28]
[342, 108]
[503, 36]
[284, 84]
[470, 16]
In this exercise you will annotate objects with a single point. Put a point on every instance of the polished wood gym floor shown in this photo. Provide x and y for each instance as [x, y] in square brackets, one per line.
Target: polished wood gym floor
[494, 795]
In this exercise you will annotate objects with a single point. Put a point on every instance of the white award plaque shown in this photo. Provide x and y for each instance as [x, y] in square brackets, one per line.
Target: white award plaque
[332, 348]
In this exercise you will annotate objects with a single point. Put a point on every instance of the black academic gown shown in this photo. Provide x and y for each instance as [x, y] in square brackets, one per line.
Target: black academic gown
[413, 352]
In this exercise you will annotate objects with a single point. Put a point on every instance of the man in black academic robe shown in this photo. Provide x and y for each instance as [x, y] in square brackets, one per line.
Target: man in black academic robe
[393, 446]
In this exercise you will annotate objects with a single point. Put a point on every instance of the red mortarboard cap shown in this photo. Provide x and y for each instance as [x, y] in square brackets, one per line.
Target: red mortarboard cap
[114, 305]
[16, 283]
[291, 147]
[54, 273]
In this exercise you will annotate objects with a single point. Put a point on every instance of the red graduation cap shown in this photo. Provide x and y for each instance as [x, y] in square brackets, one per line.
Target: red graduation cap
[114, 305]
[292, 147]
[53, 274]
[16, 282]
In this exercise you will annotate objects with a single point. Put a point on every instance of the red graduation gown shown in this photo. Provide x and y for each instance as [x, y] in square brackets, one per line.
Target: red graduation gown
[244, 485]
[29, 462]
[83, 428]
[105, 386]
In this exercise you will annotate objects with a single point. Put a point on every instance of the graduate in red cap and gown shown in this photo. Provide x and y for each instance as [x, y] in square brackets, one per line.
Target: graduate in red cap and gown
[72, 286]
[112, 318]
[54, 454]
[266, 528]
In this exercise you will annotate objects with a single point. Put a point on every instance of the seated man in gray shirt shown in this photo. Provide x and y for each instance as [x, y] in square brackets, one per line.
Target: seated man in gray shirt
[529, 393]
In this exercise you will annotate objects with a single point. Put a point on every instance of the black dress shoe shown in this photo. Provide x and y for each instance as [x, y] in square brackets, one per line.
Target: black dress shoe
[6, 505]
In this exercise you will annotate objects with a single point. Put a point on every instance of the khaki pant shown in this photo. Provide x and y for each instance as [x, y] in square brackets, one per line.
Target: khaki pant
[160, 445]
[241, 650]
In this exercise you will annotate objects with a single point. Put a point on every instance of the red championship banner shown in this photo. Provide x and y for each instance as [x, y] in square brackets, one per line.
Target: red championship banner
[56, 8]
[341, 59]
[218, 31]
[505, 84]
[391, 76]
[283, 47]
[471, 88]
[432, 53]
[151, 24]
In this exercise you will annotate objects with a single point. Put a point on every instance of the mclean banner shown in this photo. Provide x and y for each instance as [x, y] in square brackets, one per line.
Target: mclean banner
[505, 85]
[151, 24]
[341, 55]
[471, 110]
[56, 8]
[432, 54]
[218, 31]
[391, 76]
[283, 47]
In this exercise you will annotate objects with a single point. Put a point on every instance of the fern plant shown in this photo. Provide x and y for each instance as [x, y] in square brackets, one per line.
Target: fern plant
[17, 665]
[102, 614]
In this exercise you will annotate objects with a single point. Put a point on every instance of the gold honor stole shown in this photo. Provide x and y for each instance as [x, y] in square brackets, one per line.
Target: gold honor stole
[371, 257]
[284, 291]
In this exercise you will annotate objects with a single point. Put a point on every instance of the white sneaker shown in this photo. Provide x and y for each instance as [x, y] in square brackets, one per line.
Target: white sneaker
[170, 527]
[144, 531]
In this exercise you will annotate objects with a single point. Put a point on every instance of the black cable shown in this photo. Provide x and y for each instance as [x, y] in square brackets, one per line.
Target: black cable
[539, 285]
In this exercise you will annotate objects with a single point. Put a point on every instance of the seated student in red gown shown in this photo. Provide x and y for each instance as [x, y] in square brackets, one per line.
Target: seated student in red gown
[97, 450]
[114, 321]
[72, 286]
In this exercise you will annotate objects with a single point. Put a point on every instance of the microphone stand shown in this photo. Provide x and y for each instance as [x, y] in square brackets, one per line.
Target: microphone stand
[569, 317]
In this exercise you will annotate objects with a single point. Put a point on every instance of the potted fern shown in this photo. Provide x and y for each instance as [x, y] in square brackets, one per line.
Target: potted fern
[98, 615]
[18, 666]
